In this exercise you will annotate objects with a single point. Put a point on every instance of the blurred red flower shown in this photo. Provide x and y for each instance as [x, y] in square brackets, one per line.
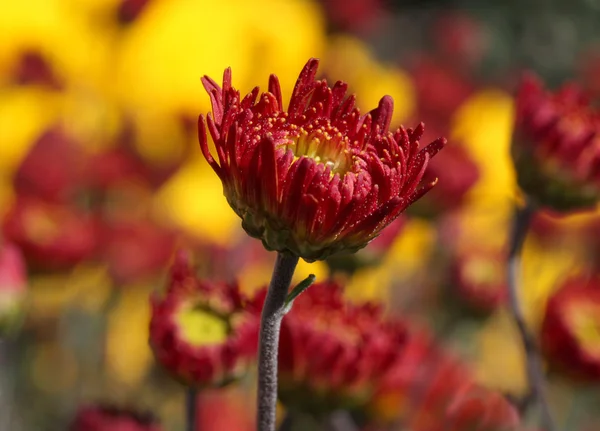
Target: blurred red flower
[429, 389]
[135, 249]
[200, 331]
[479, 279]
[555, 146]
[571, 330]
[333, 353]
[109, 418]
[54, 169]
[32, 68]
[318, 178]
[51, 236]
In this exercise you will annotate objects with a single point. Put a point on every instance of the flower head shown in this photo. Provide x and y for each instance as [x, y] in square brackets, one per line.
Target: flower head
[135, 249]
[556, 146]
[333, 353]
[110, 418]
[479, 279]
[571, 330]
[51, 236]
[318, 178]
[200, 331]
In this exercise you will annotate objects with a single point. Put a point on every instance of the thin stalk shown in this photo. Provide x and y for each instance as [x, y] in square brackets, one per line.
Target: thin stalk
[190, 409]
[268, 346]
[537, 380]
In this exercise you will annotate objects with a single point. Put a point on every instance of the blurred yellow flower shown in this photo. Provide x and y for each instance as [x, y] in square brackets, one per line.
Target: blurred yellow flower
[49, 27]
[174, 43]
[350, 60]
[128, 356]
[193, 199]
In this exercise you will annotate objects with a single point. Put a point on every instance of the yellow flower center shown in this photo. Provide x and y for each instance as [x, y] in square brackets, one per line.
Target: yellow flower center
[324, 145]
[482, 271]
[202, 327]
[585, 321]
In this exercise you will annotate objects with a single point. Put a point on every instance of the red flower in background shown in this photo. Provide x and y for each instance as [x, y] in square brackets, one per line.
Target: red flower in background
[135, 249]
[457, 172]
[51, 236]
[318, 178]
[479, 279]
[129, 10]
[109, 418]
[359, 16]
[571, 330]
[440, 89]
[334, 353]
[556, 146]
[428, 389]
[200, 331]
[33, 68]
[53, 169]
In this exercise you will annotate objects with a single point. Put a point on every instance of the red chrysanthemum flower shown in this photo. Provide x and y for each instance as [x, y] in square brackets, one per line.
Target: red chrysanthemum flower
[53, 169]
[51, 236]
[571, 330]
[318, 178]
[135, 249]
[200, 331]
[110, 418]
[478, 277]
[332, 352]
[556, 146]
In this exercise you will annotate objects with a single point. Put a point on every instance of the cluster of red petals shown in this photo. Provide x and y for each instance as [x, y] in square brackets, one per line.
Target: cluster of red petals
[210, 364]
[560, 131]
[334, 353]
[109, 418]
[571, 330]
[479, 279]
[320, 177]
[51, 236]
[429, 389]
